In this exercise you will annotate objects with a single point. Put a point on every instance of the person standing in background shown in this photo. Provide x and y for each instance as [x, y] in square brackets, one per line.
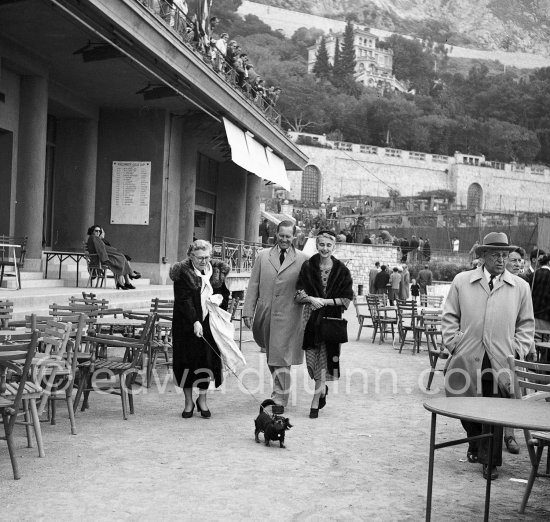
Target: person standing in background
[405, 283]
[372, 276]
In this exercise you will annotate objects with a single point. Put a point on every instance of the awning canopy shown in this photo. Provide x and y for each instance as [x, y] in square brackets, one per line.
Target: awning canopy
[252, 156]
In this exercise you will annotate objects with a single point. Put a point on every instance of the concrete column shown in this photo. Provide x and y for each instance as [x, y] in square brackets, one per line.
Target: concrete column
[231, 203]
[75, 181]
[188, 184]
[31, 166]
[252, 214]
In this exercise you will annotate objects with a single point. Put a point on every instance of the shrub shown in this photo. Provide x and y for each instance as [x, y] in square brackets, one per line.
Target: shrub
[442, 270]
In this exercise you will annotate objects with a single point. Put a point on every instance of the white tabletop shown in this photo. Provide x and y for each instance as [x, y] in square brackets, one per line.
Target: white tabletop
[515, 413]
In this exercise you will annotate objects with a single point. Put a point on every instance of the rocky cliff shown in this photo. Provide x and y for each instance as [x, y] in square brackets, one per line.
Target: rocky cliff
[506, 25]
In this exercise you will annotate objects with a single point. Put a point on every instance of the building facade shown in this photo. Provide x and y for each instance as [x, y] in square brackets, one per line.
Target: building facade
[109, 116]
[338, 169]
[374, 64]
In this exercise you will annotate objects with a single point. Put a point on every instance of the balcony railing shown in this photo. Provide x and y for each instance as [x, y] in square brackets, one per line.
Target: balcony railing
[186, 30]
[238, 254]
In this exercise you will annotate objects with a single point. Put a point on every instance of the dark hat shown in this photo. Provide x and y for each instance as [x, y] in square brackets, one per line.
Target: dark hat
[494, 241]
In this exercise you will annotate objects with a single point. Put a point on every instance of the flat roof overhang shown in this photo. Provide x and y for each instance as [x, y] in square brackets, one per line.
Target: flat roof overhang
[52, 30]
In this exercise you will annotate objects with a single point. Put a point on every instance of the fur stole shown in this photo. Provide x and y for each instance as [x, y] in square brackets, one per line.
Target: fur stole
[183, 270]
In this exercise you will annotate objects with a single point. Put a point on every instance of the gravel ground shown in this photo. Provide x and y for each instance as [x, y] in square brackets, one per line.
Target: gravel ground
[364, 458]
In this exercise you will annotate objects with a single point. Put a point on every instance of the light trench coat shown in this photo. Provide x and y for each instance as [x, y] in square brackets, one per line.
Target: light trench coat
[277, 325]
[477, 321]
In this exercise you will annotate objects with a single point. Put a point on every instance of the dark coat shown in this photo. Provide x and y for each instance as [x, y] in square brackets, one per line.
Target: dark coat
[107, 253]
[339, 285]
[191, 353]
[381, 280]
[541, 294]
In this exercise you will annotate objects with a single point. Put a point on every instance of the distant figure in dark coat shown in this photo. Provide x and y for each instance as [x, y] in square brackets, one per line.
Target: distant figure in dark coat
[427, 252]
[382, 280]
[264, 232]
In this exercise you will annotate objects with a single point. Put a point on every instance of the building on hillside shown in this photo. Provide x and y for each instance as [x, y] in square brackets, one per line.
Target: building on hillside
[109, 115]
[374, 64]
[337, 169]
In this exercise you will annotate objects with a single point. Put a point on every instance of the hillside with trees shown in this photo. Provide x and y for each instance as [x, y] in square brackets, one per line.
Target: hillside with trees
[503, 115]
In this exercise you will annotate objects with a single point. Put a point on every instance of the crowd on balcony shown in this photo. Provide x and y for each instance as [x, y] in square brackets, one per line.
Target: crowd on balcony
[225, 56]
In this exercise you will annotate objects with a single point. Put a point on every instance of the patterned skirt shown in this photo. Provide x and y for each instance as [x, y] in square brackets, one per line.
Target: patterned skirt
[316, 361]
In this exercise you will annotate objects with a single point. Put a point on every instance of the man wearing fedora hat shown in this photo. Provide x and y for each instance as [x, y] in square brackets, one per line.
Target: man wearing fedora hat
[487, 317]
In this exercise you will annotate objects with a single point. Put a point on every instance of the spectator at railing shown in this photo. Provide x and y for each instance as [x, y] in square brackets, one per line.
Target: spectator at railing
[177, 14]
[239, 66]
[228, 58]
[221, 52]
[251, 76]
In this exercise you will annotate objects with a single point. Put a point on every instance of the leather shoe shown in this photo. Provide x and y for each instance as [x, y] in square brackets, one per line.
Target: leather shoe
[129, 286]
[135, 275]
[313, 413]
[511, 445]
[494, 472]
[277, 409]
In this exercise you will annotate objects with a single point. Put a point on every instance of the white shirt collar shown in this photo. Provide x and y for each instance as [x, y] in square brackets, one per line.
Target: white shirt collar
[488, 275]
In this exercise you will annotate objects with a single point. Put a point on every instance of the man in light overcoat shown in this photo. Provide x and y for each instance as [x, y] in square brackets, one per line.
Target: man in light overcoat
[488, 316]
[277, 324]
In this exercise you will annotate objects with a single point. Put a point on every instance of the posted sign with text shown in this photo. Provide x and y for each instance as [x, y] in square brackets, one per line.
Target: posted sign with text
[130, 192]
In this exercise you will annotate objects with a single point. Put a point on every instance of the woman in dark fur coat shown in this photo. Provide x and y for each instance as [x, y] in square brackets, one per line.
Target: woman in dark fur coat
[195, 363]
[326, 288]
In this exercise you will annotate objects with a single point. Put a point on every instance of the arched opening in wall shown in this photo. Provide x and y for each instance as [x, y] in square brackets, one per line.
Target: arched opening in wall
[475, 197]
[310, 184]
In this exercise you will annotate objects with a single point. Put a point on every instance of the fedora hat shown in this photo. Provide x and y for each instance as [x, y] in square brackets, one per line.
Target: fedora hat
[494, 241]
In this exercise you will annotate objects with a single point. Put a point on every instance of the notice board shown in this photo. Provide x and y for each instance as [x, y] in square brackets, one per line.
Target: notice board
[130, 192]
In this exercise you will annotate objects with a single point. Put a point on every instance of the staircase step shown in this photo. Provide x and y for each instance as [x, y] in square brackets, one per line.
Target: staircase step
[37, 300]
[32, 283]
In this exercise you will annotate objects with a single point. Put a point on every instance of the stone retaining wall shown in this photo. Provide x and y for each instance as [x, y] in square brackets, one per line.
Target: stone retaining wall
[360, 259]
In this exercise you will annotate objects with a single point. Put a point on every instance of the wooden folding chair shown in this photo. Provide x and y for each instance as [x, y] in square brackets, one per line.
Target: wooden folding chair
[6, 314]
[362, 313]
[531, 382]
[235, 308]
[55, 368]
[124, 370]
[434, 340]
[382, 316]
[12, 395]
[407, 321]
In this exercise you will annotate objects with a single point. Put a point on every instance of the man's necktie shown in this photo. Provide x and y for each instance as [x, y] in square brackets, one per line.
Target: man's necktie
[491, 282]
[282, 257]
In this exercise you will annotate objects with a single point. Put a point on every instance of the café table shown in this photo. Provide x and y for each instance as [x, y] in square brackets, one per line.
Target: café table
[11, 249]
[63, 255]
[514, 413]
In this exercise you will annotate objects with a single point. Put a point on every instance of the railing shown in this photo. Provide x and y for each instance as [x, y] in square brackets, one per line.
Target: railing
[187, 30]
[238, 254]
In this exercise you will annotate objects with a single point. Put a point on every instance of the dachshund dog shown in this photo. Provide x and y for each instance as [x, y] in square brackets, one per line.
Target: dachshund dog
[272, 426]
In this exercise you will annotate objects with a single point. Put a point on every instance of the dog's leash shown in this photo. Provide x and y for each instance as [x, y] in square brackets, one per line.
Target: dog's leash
[236, 376]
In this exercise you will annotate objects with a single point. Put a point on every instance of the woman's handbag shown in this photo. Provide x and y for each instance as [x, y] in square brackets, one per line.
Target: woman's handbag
[334, 330]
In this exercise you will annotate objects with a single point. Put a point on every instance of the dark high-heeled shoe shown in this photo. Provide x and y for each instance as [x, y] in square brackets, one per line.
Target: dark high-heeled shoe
[204, 413]
[188, 414]
[129, 286]
[135, 275]
[323, 399]
[313, 413]
[121, 287]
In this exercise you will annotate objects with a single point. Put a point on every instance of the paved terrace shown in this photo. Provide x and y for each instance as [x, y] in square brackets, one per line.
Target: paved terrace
[364, 458]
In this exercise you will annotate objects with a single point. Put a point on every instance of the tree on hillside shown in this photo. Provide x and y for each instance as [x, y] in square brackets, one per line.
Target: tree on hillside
[336, 63]
[322, 67]
[304, 38]
[347, 57]
[413, 63]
